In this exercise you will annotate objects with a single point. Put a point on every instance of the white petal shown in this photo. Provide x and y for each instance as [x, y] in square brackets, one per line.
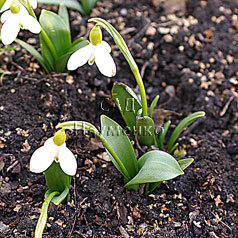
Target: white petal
[80, 57]
[33, 3]
[41, 159]
[30, 23]
[104, 61]
[10, 30]
[5, 16]
[105, 45]
[92, 56]
[6, 5]
[67, 161]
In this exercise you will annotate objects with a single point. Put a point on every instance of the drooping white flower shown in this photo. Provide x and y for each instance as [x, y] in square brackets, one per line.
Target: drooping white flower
[98, 51]
[44, 156]
[15, 19]
[8, 3]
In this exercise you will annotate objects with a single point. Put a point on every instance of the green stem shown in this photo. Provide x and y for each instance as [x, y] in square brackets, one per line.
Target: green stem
[142, 90]
[43, 216]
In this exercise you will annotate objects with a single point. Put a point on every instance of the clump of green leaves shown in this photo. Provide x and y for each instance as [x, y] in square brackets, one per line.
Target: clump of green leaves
[152, 168]
[82, 6]
[55, 41]
[135, 113]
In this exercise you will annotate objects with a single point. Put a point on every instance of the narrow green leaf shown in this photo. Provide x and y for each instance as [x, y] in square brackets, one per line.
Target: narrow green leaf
[73, 4]
[55, 32]
[120, 144]
[152, 106]
[91, 4]
[163, 134]
[43, 216]
[64, 14]
[36, 54]
[184, 163]
[79, 125]
[153, 186]
[145, 130]
[183, 124]
[77, 41]
[174, 147]
[127, 103]
[2, 3]
[64, 196]
[47, 49]
[156, 166]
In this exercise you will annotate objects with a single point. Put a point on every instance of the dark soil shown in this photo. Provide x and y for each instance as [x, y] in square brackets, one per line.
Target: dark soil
[199, 59]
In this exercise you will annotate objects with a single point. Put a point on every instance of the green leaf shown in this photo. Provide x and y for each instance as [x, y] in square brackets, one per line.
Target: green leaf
[43, 216]
[36, 54]
[77, 41]
[2, 3]
[59, 198]
[163, 134]
[73, 4]
[61, 63]
[153, 186]
[145, 130]
[153, 104]
[88, 6]
[2, 164]
[91, 4]
[55, 34]
[64, 14]
[127, 103]
[120, 144]
[156, 166]
[48, 53]
[184, 163]
[183, 124]
[56, 179]
[79, 125]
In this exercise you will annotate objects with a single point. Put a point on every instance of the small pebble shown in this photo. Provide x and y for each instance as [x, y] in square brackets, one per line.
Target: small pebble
[123, 11]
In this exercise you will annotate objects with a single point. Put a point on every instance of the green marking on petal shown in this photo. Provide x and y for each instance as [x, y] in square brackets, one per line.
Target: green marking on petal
[91, 61]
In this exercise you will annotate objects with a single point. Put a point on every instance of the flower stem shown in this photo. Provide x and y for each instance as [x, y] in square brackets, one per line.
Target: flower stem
[142, 90]
[43, 216]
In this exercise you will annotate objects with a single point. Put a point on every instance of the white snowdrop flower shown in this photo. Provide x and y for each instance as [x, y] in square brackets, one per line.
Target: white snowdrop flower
[54, 149]
[15, 19]
[97, 50]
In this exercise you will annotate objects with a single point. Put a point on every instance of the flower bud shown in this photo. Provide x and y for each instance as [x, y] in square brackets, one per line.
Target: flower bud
[15, 7]
[95, 36]
[60, 137]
